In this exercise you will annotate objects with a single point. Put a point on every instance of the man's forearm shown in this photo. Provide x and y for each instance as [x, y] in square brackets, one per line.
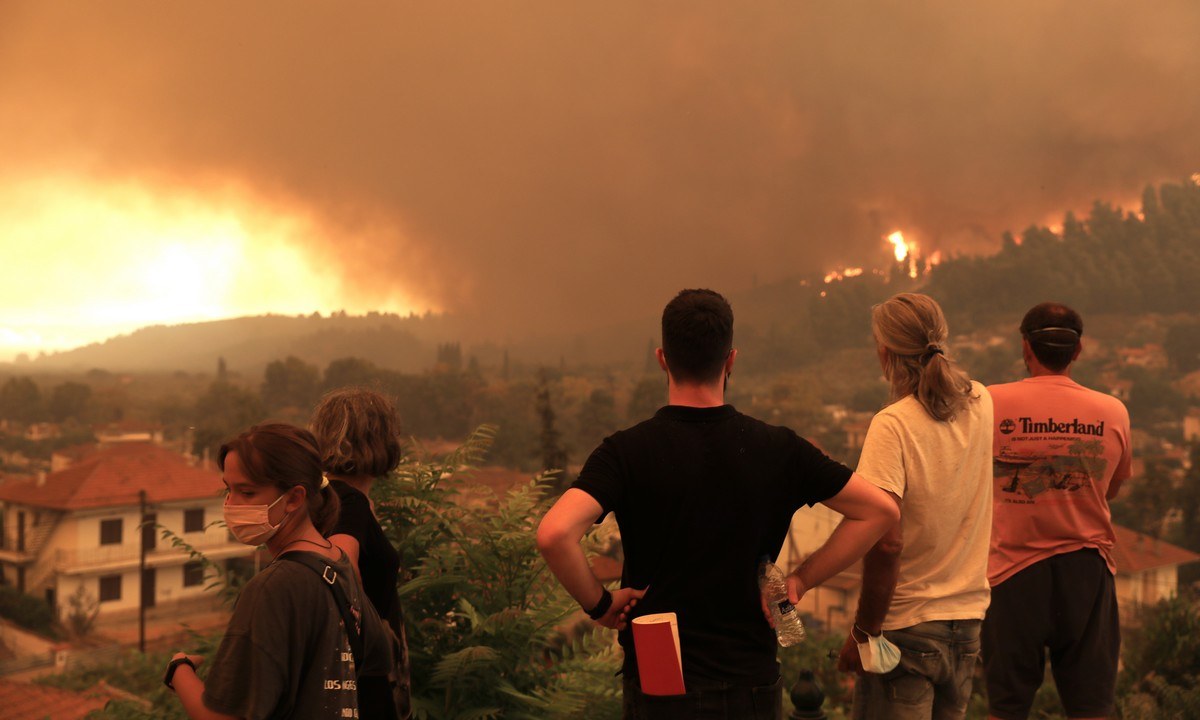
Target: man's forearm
[569, 564]
[558, 538]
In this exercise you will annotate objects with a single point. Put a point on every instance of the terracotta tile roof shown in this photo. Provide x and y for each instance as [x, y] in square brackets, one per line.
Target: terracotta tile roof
[66, 457]
[1135, 552]
[113, 477]
[21, 700]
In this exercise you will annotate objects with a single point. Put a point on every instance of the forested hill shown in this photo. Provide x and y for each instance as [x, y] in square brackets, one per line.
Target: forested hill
[249, 343]
[1113, 260]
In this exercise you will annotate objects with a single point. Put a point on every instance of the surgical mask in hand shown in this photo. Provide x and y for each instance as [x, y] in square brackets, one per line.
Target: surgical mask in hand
[878, 654]
[251, 524]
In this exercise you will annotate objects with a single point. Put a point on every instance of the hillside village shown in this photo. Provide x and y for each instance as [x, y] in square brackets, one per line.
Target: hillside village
[100, 531]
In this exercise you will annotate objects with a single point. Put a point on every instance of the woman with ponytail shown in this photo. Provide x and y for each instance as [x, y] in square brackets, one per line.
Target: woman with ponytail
[915, 638]
[287, 651]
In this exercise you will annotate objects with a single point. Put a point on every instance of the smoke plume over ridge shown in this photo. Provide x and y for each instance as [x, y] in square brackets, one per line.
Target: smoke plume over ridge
[544, 162]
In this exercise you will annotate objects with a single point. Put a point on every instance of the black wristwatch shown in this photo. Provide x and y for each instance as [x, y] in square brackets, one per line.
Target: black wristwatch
[602, 607]
[173, 666]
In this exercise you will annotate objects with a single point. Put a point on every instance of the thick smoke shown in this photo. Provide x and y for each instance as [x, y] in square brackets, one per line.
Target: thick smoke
[548, 164]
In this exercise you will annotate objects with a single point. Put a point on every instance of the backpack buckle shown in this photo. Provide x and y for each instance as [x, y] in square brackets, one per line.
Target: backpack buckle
[329, 575]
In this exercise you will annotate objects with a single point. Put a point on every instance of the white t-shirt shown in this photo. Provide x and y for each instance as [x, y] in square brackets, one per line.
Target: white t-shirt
[942, 471]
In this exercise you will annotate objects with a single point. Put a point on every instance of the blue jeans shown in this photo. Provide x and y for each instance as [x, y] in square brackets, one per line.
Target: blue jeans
[705, 700]
[933, 679]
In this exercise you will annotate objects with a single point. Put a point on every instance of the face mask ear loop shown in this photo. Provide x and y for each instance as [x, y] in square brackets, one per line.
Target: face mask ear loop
[286, 513]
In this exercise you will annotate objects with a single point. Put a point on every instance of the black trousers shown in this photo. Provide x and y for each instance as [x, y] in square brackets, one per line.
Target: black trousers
[705, 701]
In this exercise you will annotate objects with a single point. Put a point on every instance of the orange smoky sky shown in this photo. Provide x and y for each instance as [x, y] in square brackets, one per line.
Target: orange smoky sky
[548, 164]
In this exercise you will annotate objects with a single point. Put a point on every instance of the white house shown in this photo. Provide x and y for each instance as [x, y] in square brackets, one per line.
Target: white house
[84, 527]
[1147, 568]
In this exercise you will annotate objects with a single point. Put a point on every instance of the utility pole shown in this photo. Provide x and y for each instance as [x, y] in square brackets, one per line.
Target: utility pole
[142, 577]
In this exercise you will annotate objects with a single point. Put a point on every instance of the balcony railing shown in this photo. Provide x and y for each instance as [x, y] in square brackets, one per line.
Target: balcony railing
[117, 555]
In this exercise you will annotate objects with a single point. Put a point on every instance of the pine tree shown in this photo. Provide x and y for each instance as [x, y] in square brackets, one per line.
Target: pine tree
[554, 455]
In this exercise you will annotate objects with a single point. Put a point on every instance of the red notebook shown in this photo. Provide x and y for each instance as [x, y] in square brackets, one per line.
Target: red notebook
[656, 643]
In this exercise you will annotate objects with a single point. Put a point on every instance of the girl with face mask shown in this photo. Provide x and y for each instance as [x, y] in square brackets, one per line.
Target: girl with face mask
[286, 652]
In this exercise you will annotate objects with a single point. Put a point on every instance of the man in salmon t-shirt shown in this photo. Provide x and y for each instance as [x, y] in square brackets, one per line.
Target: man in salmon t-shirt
[1060, 453]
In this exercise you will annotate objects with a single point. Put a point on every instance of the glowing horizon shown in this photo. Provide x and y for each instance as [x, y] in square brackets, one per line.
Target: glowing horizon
[96, 261]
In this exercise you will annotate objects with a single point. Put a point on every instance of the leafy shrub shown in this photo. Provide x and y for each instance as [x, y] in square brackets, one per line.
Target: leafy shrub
[1161, 674]
[139, 674]
[84, 610]
[488, 624]
[27, 611]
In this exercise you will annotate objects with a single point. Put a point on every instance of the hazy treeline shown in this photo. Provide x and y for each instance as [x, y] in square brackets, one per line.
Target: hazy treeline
[540, 412]
[1110, 261]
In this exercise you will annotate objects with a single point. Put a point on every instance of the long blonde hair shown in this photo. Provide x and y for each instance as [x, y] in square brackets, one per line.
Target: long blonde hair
[913, 331]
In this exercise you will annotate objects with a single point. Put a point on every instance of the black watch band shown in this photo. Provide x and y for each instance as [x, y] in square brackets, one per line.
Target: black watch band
[173, 666]
[601, 607]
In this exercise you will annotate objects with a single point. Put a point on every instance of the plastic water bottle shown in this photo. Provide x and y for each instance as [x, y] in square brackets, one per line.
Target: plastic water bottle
[773, 586]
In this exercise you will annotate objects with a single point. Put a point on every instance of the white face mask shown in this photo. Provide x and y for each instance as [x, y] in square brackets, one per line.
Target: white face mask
[251, 524]
[878, 654]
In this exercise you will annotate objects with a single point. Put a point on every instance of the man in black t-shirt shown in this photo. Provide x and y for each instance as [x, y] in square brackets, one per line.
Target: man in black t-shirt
[701, 492]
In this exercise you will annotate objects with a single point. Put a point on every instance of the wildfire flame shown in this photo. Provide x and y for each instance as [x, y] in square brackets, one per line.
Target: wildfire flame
[844, 273]
[907, 255]
[900, 247]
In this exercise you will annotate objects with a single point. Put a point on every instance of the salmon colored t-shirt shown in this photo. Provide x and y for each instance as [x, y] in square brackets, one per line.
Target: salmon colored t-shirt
[1057, 448]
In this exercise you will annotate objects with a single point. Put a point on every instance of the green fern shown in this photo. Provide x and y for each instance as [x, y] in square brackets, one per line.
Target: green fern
[486, 618]
[455, 666]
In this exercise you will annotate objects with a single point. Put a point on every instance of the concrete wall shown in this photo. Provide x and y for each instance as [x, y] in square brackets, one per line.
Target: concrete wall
[168, 586]
[809, 530]
[1146, 587]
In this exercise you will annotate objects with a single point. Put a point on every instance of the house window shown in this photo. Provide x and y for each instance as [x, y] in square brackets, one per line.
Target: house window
[110, 532]
[193, 574]
[193, 520]
[110, 588]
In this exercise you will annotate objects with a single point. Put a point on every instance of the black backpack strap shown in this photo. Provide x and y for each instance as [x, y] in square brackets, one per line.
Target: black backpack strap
[328, 575]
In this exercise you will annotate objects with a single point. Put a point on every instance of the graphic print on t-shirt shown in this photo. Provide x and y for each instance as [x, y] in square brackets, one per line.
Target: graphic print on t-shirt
[1047, 456]
[342, 684]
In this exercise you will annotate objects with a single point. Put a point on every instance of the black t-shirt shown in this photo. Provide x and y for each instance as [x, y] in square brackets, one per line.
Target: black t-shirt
[285, 652]
[378, 561]
[700, 494]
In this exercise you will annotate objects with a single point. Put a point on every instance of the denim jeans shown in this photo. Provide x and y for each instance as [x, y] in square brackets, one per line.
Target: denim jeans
[933, 679]
[705, 700]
